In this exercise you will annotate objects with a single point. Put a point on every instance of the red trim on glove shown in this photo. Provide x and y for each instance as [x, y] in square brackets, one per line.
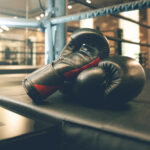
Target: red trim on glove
[74, 72]
[45, 90]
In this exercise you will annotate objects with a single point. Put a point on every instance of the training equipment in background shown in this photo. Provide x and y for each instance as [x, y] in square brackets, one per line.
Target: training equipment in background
[86, 48]
[116, 80]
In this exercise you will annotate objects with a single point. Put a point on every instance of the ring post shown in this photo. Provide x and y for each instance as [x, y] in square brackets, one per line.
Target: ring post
[60, 37]
[49, 50]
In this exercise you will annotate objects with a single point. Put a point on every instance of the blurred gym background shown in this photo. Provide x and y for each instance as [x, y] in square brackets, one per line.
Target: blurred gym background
[128, 32]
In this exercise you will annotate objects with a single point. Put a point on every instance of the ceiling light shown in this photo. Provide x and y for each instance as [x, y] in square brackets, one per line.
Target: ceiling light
[38, 29]
[41, 15]
[69, 6]
[15, 17]
[38, 18]
[5, 28]
[88, 1]
[1, 30]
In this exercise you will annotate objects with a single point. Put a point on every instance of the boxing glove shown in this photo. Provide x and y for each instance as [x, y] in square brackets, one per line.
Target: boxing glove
[86, 48]
[115, 81]
[87, 36]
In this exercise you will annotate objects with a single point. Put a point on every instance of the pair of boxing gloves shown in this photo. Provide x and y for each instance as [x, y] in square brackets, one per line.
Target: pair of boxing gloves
[85, 71]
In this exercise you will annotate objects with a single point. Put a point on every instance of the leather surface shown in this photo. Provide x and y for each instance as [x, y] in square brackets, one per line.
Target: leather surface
[90, 127]
[84, 138]
[125, 79]
[86, 36]
[115, 81]
[144, 96]
[85, 55]
[131, 120]
[86, 48]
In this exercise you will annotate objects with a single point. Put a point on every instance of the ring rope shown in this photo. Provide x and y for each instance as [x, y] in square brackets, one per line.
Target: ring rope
[103, 11]
[127, 41]
[131, 20]
[114, 15]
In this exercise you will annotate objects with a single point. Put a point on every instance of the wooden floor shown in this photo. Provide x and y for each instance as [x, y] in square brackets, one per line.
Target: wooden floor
[11, 86]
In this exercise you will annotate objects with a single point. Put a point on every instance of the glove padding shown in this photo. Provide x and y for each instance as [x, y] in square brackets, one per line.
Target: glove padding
[83, 51]
[89, 37]
[115, 81]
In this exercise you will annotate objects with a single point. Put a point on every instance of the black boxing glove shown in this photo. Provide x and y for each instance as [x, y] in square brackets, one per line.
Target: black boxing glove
[86, 48]
[87, 36]
[115, 81]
